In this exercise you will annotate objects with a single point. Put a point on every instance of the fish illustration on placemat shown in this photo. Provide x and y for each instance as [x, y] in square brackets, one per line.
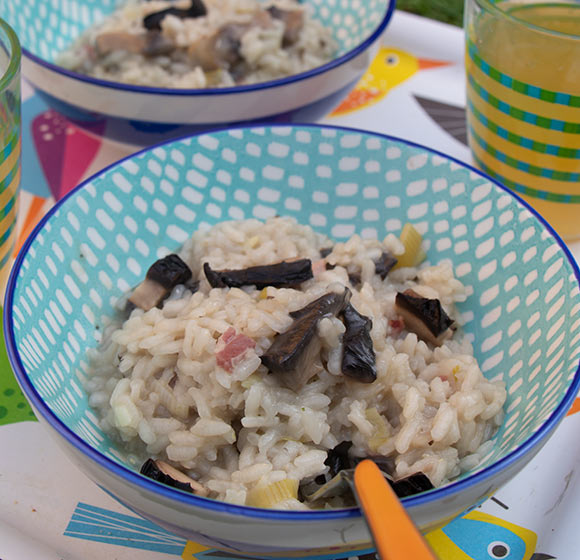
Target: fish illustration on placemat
[480, 536]
[474, 536]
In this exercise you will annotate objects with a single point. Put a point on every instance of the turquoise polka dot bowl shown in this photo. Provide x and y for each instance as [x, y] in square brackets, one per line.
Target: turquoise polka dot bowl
[147, 115]
[523, 314]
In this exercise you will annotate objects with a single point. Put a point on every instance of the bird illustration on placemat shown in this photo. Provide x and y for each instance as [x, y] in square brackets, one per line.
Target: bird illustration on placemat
[390, 68]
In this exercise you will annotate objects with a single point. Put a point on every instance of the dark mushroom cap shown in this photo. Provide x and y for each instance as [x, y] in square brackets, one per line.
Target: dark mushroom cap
[294, 350]
[429, 311]
[169, 272]
[169, 475]
[196, 9]
[358, 355]
[339, 458]
[151, 470]
[411, 485]
[279, 275]
[324, 252]
[384, 264]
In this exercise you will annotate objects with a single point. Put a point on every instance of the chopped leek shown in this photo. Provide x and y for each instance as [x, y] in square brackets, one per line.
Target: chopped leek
[249, 381]
[272, 494]
[414, 254]
[381, 429]
[252, 242]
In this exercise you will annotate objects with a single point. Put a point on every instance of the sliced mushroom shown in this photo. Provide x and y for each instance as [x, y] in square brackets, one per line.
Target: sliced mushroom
[262, 18]
[358, 355]
[220, 50]
[161, 278]
[342, 484]
[147, 295]
[339, 480]
[354, 277]
[293, 21]
[339, 485]
[325, 252]
[338, 458]
[328, 304]
[292, 354]
[279, 275]
[113, 41]
[166, 474]
[158, 44]
[148, 44]
[425, 317]
[384, 264]
[239, 71]
[169, 271]
[411, 485]
[195, 10]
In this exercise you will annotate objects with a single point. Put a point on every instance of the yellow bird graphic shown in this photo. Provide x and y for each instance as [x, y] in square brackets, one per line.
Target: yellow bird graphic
[390, 68]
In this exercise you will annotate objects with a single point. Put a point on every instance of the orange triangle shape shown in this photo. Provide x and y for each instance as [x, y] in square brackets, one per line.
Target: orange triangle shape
[426, 63]
[35, 212]
[574, 408]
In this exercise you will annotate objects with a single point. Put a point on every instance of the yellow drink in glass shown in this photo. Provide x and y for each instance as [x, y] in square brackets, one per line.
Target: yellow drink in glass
[523, 102]
[9, 146]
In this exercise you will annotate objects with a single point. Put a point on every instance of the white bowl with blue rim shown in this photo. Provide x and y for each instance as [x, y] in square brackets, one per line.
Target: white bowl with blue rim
[147, 115]
[522, 315]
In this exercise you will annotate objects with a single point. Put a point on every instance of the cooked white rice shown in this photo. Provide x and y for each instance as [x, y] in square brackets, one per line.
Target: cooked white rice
[157, 388]
[263, 52]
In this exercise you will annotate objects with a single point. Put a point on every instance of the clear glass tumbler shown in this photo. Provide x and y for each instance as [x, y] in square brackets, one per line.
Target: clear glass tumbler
[9, 145]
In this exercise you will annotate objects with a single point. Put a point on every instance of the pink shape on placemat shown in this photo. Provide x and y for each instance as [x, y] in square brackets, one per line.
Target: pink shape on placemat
[65, 151]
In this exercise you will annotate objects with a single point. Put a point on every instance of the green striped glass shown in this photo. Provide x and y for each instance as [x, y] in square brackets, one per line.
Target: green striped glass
[9, 145]
[523, 101]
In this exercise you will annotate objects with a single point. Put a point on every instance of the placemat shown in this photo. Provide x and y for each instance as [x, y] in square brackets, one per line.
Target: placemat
[414, 89]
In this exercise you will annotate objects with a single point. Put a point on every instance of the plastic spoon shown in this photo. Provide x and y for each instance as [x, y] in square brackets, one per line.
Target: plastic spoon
[395, 535]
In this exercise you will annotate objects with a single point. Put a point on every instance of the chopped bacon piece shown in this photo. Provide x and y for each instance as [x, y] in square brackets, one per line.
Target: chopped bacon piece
[318, 267]
[233, 347]
[228, 335]
[396, 324]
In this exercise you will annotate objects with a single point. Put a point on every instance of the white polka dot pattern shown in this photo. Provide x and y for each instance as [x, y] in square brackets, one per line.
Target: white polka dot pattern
[46, 27]
[525, 299]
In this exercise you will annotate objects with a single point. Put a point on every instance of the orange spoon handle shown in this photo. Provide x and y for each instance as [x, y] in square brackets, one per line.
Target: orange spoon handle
[395, 535]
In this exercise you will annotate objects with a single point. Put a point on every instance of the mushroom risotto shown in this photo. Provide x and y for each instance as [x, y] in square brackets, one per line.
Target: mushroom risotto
[263, 360]
[201, 43]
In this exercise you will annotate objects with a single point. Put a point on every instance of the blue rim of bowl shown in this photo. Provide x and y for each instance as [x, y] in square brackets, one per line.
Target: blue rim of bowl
[360, 48]
[167, 492]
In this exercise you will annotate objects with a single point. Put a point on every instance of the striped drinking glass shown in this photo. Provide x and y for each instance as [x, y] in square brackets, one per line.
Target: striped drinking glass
[523, 101]
[9, 145]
